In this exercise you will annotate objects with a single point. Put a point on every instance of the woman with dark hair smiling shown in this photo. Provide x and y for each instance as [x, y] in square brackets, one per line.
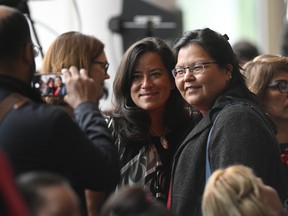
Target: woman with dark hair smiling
[231, 128]
[148, 117]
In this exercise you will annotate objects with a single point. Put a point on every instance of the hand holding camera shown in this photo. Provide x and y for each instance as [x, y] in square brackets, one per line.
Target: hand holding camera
[79, 87]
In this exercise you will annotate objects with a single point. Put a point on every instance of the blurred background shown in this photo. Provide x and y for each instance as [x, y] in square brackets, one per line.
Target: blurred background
[118, 23]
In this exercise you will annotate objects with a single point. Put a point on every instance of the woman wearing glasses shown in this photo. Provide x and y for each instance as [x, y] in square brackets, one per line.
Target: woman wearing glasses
[80, 50]
[231, 128]
[148, 117]
[267, 77]
[85, 52]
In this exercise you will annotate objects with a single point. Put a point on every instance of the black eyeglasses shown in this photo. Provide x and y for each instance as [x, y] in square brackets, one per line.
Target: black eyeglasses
[282, 85]
[195, 69]
[36, 50]
[105, 65]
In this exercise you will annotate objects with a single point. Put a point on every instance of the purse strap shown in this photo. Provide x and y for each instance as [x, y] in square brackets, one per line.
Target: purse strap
[208, 167]
[261, 115]
[12, 101]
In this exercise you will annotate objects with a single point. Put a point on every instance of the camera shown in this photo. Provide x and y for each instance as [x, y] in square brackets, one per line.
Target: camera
[49, 84]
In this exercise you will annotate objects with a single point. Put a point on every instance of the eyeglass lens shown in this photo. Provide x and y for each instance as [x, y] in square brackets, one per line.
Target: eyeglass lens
[282, 85]
[36, 50]
[104, 64]
[195, 69]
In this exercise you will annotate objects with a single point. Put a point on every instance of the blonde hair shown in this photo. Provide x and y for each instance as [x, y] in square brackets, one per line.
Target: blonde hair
[261, 70]
[71, 48]
[233, 191]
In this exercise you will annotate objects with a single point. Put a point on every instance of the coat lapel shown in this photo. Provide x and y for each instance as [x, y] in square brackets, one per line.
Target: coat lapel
[203, 124]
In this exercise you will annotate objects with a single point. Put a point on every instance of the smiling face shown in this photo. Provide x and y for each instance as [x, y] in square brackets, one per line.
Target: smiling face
[151, 84]
[98, 74]
[201, 90]
[58, 82]
[51, 83]
[274, 102]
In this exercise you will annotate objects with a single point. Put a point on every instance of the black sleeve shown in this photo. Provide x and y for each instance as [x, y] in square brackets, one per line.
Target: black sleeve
[95, 160]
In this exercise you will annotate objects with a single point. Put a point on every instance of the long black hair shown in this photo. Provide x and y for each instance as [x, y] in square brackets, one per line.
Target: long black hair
[132, 123]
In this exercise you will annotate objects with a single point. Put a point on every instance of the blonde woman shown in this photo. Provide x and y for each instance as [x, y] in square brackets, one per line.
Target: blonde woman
[237, 191]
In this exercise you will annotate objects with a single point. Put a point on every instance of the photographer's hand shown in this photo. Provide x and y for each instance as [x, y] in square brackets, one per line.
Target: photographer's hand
[79, 87]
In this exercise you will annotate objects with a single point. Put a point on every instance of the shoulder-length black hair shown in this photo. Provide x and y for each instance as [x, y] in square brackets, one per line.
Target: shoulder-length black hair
[218, 47]
[132, 123]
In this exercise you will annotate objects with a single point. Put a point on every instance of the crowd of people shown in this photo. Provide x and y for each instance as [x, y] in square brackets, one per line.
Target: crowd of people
[193, 129]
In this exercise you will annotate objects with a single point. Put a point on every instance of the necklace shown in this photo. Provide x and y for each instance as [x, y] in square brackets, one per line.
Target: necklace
[163, 139]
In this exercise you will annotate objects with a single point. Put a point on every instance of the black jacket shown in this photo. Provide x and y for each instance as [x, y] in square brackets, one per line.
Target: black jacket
[240, 136]
[44, 137]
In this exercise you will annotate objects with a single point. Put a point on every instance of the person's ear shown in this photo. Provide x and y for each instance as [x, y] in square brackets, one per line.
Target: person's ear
[27, 54]
[229, 69]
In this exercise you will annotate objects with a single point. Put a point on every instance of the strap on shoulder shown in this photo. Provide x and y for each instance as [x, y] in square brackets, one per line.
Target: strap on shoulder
[208, 171]
[14, 101]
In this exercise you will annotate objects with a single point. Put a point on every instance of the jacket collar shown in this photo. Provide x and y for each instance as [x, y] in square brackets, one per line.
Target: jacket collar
[9, 84]
[206, 121]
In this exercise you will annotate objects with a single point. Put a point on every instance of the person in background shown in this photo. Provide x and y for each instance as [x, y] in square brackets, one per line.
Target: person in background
[11, 200]
[50, 88]
[283, 39]
[48, 194]
[236, 190]
[148, 116]
[38, 136]
[267, 77]
[245, 51]
[82, 51]
[133, 201]
[87, 52]
[231, 127]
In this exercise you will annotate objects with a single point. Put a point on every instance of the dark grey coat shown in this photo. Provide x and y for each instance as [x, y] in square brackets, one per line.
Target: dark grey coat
[43, 137]
[240, 136]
